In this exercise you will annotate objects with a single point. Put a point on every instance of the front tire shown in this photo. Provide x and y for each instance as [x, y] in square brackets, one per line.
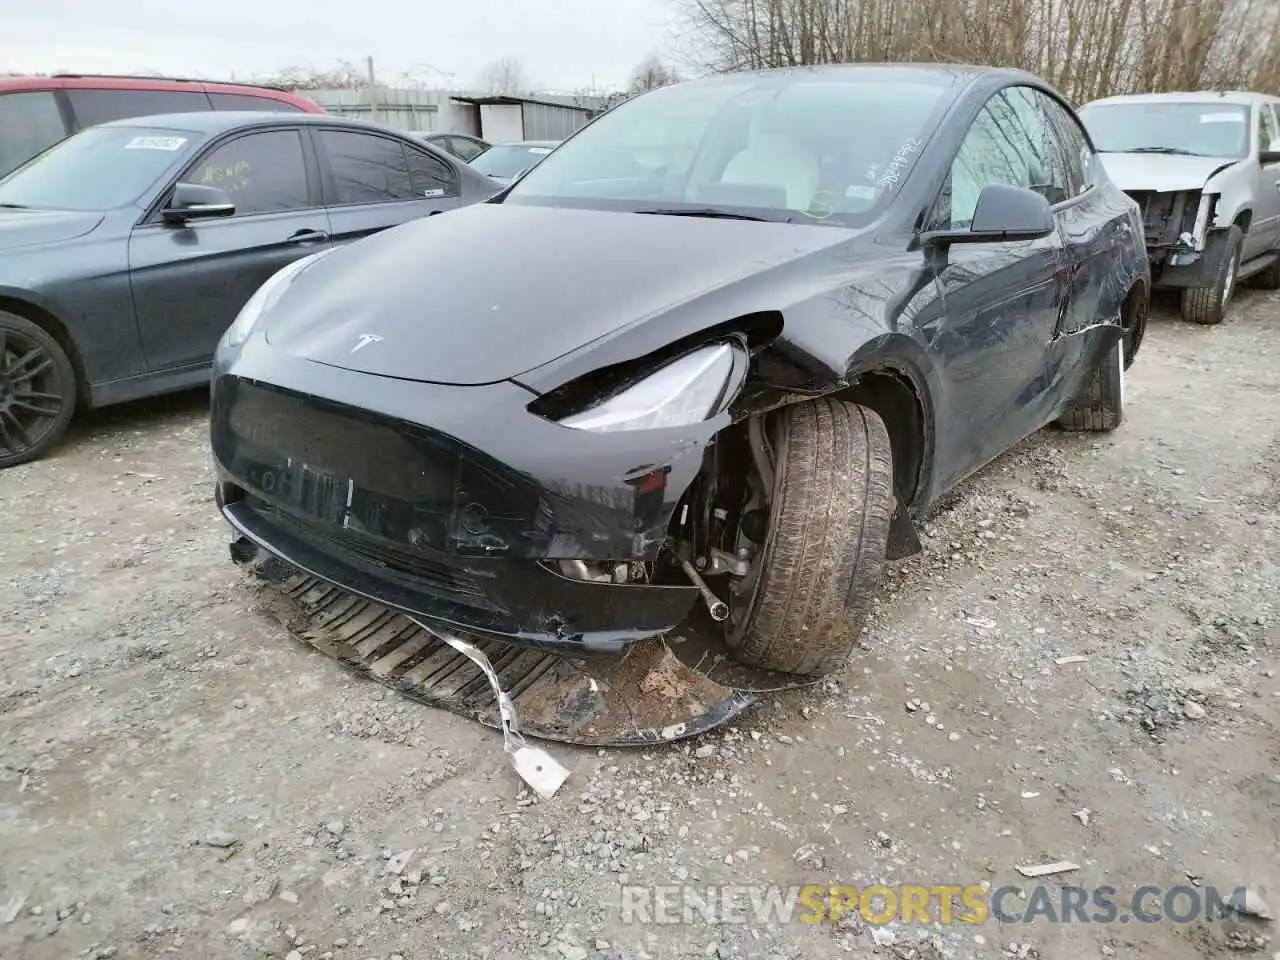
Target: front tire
[1100, 406]
[824, 553]
[37, 390]
[1208, 305]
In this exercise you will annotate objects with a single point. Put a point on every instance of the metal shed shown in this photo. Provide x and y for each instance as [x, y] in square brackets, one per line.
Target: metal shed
[406, 109]
[503, 118]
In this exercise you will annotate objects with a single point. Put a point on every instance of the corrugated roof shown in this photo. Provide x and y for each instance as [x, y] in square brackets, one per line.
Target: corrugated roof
[510, 101]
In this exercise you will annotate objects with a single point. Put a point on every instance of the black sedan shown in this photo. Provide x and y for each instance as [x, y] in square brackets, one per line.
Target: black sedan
[723, 346]
[127, 250]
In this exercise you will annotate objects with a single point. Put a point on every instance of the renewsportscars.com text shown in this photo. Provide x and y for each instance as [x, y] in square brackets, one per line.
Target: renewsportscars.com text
[923, 904]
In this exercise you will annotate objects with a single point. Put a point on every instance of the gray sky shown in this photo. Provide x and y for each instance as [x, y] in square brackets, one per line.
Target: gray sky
[562, 43]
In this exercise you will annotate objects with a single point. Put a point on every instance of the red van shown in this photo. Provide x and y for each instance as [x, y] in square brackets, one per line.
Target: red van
[37, 112]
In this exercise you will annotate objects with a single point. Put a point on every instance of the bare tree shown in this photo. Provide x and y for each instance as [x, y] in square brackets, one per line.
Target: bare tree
[1087, 48]
[344, 76]
[652, 72]
[504, 75]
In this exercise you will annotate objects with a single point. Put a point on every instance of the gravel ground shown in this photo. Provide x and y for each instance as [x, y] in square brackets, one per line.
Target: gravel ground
[178, 777]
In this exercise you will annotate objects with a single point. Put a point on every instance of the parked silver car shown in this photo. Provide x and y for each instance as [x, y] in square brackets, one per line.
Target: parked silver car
[1205, 168]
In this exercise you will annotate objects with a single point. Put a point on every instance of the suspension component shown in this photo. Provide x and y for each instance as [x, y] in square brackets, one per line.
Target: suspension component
[718, 609]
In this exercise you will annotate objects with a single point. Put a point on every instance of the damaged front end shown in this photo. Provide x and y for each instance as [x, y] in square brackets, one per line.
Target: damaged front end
[1176, 226]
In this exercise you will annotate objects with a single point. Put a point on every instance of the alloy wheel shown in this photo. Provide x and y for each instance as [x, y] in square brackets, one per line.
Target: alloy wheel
[31, 394]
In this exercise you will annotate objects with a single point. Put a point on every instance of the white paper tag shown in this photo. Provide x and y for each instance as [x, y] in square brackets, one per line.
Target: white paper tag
[156, 143]
[1222, 118]
[539, 150]
[539, 770]
[856, 191]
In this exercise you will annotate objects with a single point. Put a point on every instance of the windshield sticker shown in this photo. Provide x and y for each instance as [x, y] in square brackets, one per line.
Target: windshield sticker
[540, 150]
[856, 191]
[1222, 118]
[156, 143]
[434, 192]
[898, 165]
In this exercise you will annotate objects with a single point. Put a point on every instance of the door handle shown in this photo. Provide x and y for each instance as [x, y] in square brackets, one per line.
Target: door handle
[308, 236]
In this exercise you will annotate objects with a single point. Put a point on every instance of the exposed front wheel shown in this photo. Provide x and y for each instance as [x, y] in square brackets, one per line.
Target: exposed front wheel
[1100, 405]
[1208, 305]
[804, 603]
[37, 390]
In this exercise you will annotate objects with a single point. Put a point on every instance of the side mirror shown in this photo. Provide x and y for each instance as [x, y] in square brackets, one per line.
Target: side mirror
[1271, 154]
[196, 201]
[1004, 214]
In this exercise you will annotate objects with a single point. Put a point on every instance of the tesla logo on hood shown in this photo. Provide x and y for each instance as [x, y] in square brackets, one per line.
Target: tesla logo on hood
[365, 340]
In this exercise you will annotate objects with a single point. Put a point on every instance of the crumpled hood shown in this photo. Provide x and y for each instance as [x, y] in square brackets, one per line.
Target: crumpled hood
[490, 291]
[25, 228]
[1162, 173]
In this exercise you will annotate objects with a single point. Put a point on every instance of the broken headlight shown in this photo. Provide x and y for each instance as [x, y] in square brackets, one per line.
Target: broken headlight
[685, 391]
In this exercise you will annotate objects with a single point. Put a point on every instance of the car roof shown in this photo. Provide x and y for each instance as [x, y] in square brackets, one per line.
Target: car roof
[1240, 97]
[219, 121]
[93, 81]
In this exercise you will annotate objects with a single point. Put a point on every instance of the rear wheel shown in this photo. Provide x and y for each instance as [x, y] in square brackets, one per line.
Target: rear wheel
[803, 604]
[37, 390]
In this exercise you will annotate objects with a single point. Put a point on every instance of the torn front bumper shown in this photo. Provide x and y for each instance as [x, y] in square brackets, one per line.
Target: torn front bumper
[649, 695]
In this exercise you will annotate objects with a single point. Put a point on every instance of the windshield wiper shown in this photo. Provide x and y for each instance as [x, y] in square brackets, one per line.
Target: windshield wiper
[1173, 151]
[709, 212]
[13, 206]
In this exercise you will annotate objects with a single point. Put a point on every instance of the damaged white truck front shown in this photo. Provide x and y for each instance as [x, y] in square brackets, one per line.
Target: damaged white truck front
[1205, 170]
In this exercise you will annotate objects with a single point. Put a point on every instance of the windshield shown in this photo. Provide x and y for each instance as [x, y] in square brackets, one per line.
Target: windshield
[508, 161]
[99, 169]
[774, 147]
[1206, 129]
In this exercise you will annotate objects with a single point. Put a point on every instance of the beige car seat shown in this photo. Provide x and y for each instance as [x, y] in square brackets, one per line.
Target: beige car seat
[776, 160]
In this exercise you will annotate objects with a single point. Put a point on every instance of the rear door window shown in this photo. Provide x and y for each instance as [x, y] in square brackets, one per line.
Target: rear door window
[245, 101]
[29, 124]
[92, 107]
[430, 176]
[367, 168]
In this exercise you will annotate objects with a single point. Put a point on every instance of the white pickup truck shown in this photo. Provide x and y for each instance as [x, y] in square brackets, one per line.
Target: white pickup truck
[1205, 169]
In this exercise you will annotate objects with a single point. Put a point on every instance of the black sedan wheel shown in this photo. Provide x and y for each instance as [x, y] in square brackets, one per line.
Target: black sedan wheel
[802, 606]
[37, 390]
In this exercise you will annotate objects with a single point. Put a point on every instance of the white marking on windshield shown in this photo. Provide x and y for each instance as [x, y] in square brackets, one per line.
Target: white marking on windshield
[156, 143]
